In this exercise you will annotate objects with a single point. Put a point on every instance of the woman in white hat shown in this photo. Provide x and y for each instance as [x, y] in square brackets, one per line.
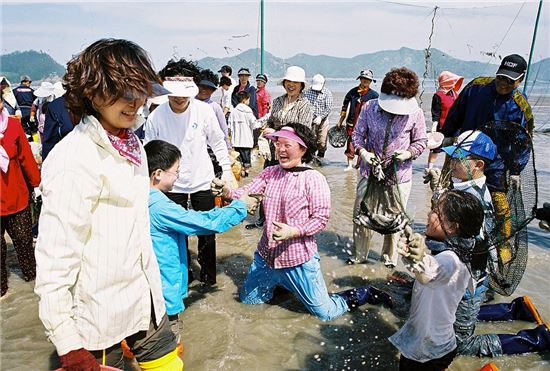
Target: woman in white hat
[389, 134]
[291, 107]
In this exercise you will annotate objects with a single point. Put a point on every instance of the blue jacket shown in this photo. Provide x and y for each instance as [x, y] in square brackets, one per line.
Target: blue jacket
[480, 103]
[56, 125]
[170, 225]
[24, 96]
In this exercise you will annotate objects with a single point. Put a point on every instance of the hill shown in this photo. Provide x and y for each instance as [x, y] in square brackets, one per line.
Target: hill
[380, 62]
[38, 65]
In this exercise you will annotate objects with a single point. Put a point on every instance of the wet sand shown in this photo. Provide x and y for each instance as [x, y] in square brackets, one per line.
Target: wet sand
[220, 333]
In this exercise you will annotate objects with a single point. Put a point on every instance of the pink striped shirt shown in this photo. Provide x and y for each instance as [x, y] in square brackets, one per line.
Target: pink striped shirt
[300, 199]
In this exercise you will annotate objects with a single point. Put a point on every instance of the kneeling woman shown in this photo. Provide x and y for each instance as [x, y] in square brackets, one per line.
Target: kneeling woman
[297, 206]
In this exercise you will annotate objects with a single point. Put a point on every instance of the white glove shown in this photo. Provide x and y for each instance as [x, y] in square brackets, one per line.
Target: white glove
[401, 155]
[284, 232]
[367, 156]
[219, 187]
[432, 176]
[36, 193]
[229, 178]
[32, 119]
[515, 182]
[434, 126]
[263, 148]
[317, 120]
[251, 203]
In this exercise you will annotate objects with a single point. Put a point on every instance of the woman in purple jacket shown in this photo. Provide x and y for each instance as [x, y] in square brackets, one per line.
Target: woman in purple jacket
[389, 134]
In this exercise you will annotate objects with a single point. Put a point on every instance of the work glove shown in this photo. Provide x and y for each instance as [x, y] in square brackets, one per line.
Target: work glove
[317, 120]
[263, 148]
[368, 157]
[32, 119]
[402, 156]
[36, 194]
[432, 177]
[515, 182]
[251, 202]
[284, 232]
[434, 126]
[543, 214]
[79, 360]
[219, 188]
[229, 178]
[412, 245]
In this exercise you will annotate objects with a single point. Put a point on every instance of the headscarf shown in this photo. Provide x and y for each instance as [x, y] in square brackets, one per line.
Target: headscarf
[449, 81]
[4, 158]
[7, 94]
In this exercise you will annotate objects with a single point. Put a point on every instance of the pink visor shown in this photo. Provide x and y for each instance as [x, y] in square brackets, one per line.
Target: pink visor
[288, 133]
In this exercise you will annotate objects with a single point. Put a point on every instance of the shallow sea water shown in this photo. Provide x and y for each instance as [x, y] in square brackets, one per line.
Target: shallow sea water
[220, 333]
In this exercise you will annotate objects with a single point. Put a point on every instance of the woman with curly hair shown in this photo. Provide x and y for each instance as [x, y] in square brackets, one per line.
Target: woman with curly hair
[390, 133]
[296, 201]
[97, 276]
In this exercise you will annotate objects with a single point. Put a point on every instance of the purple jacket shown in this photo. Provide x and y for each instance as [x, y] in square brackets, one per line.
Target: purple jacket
[408, 132]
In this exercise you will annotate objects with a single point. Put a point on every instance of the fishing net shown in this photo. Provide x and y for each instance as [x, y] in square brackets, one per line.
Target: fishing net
[512, 182]
[337, 136]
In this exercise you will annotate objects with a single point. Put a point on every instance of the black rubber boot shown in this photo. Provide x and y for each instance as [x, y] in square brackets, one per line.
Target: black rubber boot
[361, 295]
[527, 341]
[521, 308]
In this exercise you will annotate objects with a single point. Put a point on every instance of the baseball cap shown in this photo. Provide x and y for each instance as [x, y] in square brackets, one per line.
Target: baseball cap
[318, 82]
[226, 68]
[244, 71]
[26, 78]
[261, 77]
[367, 74]
[512, 66]
[472, 143]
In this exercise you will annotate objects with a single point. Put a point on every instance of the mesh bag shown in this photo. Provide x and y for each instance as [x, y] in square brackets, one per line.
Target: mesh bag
[337, 136]
[382, 208]
[512, 182]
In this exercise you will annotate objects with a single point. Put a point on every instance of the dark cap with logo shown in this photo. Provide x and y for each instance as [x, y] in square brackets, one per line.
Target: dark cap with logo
[512, 66]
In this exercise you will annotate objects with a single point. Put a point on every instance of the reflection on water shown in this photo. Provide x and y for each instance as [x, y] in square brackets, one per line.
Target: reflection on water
[220, 333]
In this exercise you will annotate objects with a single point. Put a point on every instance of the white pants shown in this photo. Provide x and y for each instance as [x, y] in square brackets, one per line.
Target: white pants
[362, 236]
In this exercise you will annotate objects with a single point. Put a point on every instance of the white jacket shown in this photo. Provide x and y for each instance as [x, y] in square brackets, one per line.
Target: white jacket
[242, 123]
[96, 270]
[192, 132]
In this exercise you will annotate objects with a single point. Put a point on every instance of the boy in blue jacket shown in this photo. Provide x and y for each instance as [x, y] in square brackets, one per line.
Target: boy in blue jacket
[171, 224]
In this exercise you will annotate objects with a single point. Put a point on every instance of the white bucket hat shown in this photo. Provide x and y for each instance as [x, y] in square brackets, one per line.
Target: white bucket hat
[295, 74]
[45, 90]
[58, 89]
[397, 105]
[181, 86]
[318, 82]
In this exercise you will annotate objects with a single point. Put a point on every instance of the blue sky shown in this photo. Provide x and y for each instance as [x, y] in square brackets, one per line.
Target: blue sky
[195, 29]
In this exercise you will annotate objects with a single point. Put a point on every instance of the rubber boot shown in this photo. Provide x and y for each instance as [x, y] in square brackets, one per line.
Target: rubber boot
[361, 295]
[521, 308]
[527, 341]
[168, 362]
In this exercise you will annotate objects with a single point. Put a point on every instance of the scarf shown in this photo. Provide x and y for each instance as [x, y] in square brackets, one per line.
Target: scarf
[4, 158]
[127, 145]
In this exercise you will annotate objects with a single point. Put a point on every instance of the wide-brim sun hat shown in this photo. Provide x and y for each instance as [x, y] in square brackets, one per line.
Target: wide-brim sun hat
[435, 140]
[45, 90]
[449, 81]
[288, 133]
[397, 105]
[294, 74]
[180, 86]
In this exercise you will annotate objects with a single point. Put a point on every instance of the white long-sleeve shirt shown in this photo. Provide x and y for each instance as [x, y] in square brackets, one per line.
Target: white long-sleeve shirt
[97, 274]
[191, 131]
[429, 333]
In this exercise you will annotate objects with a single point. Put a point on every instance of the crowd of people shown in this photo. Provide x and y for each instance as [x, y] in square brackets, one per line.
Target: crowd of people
[132, 162]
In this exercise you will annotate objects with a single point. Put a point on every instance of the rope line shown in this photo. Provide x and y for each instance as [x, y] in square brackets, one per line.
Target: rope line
[428, 54]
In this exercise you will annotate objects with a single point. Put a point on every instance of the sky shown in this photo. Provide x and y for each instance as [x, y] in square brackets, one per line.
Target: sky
[470, 30]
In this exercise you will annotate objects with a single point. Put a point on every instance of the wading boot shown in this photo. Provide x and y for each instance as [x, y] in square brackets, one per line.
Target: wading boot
[368, 294]
[521, 308]
[527, 341]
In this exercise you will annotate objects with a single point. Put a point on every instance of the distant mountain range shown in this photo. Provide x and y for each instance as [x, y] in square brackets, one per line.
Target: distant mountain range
[40, 65]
